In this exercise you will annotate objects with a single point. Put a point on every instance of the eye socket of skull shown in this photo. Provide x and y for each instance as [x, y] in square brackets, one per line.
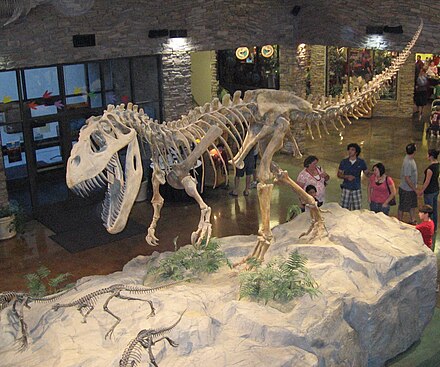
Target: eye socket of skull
[98, 141]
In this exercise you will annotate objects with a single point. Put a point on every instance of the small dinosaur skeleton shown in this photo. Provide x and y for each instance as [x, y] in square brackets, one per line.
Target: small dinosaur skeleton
[262, 117]
[146, 339]
[87, 302]
[19, 301]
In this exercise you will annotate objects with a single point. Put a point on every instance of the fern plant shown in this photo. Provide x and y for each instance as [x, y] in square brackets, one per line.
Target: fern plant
[292, 212]
[39, 284]
[280, 280]
[190, 262]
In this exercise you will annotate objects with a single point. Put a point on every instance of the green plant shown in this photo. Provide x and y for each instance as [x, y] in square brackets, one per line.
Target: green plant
[190, 261]
[280, 280]
[292, 212]
[39, 284]
[13, 209]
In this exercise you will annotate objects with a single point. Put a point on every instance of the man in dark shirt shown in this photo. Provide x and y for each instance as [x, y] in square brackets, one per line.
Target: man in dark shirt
[350, 171]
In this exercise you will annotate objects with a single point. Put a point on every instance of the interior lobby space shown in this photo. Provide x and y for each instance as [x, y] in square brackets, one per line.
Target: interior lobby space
[382, 140]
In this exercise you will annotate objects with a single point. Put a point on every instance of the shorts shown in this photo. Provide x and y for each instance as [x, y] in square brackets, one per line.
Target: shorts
[351, 199]
[407, 200]
[249, 166]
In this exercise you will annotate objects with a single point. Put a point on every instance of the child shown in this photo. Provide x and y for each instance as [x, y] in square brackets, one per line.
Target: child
[311, 190]
[434, 126]
[426, 227]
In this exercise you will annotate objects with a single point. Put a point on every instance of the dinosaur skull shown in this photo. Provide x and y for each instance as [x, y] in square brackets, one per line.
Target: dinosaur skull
[94, 162]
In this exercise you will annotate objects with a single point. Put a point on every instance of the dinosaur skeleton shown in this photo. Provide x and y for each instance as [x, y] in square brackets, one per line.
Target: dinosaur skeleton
[87, 302]
[146, 339]
[20, 300]
[262, 117]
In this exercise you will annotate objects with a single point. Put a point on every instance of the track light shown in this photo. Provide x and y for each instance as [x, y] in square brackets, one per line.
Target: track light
[157, 33]
[178, 33]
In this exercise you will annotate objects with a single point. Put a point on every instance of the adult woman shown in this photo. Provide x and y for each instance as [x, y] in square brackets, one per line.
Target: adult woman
[314, 175]
[381, 190]
[421, 93]
[430, 187]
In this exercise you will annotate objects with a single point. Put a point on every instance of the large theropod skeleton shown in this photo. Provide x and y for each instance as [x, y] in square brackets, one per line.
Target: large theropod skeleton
[262, 117]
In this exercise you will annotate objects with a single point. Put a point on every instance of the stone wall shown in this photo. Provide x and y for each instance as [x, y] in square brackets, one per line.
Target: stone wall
[292, 78]
[214, 78]
[176, 85]
[317, 70]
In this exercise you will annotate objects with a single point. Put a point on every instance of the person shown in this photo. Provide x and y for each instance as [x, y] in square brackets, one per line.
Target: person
[311, 190]
[248, 169]
[408, 185]
[434, 123]
[421, 92]
[432, 71]
[312, 174]
[430, 187]
[419, 66]
[254, 182]
[349, 171]
[426, 226]
[381, 190]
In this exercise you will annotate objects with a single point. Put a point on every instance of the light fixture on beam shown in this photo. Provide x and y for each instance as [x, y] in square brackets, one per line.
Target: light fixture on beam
[374, 29]
[158, 33]
[178, 33]
[397, 29]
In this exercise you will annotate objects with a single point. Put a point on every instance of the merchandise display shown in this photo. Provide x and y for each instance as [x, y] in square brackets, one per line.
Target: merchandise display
[376, 279]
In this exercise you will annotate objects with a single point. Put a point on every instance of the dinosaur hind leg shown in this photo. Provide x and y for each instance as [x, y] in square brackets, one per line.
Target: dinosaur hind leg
[157, 179]
[204, 229]
[317, 226]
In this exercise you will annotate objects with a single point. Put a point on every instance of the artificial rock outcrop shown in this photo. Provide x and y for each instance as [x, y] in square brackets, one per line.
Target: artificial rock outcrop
[377, 284]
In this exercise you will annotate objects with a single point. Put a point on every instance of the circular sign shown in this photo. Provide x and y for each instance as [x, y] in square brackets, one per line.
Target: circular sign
[267, 51]
[242, 53]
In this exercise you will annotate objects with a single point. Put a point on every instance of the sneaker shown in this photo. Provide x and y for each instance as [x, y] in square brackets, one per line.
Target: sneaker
[253, 184]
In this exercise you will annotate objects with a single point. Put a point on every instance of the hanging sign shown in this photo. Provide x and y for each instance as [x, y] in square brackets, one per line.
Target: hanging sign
[242, 53]
[267, 51]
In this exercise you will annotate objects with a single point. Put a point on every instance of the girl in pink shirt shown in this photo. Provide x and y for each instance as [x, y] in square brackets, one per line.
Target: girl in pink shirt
[381, 190]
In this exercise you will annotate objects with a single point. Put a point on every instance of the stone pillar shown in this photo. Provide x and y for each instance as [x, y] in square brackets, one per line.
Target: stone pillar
[214, 79]
[293, 78]
[176, 85]
[317, 70]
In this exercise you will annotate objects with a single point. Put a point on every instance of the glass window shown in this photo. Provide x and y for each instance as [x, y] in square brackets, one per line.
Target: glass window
[14, 158]
[8, 86]
[145, 81]
[43, 110]
[358, 66]
[75, 79]
[75, 126]
[40, 80]
[94, 77]
[117, 81]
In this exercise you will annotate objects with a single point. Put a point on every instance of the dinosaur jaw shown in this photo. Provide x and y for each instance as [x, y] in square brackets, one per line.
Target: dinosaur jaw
[122, 187]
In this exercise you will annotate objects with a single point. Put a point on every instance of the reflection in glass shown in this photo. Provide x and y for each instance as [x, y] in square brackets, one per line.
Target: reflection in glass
[42, 110]
[48, 156]
[40, 80]
[8, 86]
[74, 79]
[14, 158]
[359, 67]
[75, 127]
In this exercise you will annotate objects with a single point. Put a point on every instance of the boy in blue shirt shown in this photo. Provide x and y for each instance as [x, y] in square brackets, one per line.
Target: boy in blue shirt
[350, 170]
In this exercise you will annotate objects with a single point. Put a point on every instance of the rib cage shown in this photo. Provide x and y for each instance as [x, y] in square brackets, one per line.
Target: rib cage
[172, 142]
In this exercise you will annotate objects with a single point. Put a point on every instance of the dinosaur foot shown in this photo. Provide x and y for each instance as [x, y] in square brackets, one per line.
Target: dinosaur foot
[257, 256]
[203, 232]
[317, 230]
[151, 238]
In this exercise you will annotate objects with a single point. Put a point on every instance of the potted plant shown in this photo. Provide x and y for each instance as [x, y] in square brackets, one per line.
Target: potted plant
[11, 221]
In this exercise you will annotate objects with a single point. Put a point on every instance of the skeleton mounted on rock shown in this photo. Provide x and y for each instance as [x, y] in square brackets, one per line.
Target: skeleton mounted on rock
[262, 117]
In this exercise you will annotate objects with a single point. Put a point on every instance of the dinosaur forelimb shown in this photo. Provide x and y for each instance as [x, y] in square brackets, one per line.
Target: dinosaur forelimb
[204, 229]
